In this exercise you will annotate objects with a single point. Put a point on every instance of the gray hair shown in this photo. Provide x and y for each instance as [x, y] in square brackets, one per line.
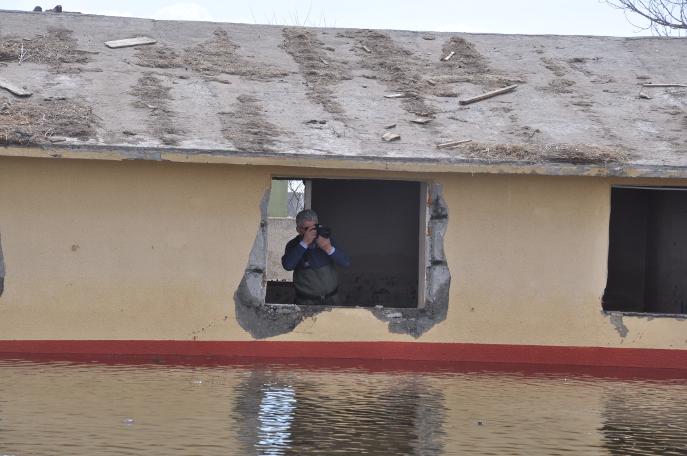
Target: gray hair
[306, 215]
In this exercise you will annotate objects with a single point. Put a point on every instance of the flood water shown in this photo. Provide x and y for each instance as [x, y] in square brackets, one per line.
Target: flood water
[100, 408]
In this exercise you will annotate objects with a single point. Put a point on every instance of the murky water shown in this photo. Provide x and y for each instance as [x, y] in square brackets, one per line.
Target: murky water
[69, 408]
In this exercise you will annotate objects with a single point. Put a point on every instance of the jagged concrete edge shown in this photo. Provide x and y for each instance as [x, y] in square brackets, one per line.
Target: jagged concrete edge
[416, 322]
[258, 318]
[264, 320]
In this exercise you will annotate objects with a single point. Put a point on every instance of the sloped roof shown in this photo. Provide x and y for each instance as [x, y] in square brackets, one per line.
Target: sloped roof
[317, 93]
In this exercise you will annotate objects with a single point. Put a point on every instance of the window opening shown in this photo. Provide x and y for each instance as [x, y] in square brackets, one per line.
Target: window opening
[377, 223]
[369, 208]
[647, 258]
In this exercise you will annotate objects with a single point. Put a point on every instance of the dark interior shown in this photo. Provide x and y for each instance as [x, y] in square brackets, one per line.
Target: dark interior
[377, 223]
[647, 260]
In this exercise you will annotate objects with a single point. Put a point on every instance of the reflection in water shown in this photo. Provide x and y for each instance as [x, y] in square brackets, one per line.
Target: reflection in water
[277, 405]
[655, 425]
[280, 413]
[272, 410]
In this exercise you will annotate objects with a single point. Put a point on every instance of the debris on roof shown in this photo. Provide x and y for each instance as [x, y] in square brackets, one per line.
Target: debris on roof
[14, 89]
[241, 89]
[320, 75]
[153, 96]
[390, 137]
[648, 84]
[24, 122]
[247, 127]
[129, 42]
[484, 96]
[452, 144]
[217, 55]
[57, 49]
[562, 153]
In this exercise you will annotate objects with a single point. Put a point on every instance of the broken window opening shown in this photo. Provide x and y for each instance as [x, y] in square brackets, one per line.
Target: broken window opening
[647, 258]
[262, 318]
[378, 223]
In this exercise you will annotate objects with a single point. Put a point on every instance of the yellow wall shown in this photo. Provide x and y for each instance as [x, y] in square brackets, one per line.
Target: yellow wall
[145, 250]
[123, 250]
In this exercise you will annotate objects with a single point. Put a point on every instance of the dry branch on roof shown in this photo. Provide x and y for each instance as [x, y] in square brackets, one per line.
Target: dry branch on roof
[320, 70]
[153, 97]
[56, 49]
[218, 55]
[247, 127]
[579, 154]
[160, 56]
[417, 78]
[24, 122]
[395, 67]
[467, 64]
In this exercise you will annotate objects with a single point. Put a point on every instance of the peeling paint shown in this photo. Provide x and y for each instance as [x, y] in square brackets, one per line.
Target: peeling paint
[617, 321]
[263, 320]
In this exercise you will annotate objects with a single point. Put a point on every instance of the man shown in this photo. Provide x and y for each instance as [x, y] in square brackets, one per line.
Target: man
[312, 259]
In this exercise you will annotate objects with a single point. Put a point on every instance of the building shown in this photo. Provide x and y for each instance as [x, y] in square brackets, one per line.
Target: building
[134, 186]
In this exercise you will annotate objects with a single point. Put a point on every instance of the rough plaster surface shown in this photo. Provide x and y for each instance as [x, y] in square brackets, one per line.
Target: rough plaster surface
[510, 240]
[572, 89]
[263, 320]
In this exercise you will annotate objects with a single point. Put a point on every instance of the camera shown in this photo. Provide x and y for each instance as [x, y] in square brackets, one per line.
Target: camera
[323, 231]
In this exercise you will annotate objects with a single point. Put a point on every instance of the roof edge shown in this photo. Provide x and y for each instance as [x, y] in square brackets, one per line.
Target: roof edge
[397, 164]
[543, 35]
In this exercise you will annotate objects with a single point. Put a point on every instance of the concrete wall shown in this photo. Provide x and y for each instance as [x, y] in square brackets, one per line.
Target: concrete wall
[141, 250]
[124, 250]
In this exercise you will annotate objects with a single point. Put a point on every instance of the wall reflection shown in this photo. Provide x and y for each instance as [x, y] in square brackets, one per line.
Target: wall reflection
[275, 416]
[278, 413]
[644, 425]
[82, 409]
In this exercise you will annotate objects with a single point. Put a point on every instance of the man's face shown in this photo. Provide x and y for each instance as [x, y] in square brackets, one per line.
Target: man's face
[305, 226]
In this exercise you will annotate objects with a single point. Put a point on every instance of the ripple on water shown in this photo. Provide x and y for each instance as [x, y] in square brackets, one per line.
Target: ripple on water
[71, 408]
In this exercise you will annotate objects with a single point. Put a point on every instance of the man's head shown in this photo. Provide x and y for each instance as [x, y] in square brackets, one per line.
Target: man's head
[304, 220]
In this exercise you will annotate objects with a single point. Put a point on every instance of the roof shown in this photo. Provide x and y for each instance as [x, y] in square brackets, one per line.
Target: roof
[318, 94]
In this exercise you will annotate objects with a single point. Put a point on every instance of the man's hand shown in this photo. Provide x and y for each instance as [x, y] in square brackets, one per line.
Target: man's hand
[325, 244]
[310, 235]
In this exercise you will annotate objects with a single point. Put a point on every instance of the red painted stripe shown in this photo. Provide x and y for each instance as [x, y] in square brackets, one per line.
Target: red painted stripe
[416, 351]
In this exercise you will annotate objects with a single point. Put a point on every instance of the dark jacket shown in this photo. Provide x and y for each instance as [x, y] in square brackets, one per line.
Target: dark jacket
[298, 257]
